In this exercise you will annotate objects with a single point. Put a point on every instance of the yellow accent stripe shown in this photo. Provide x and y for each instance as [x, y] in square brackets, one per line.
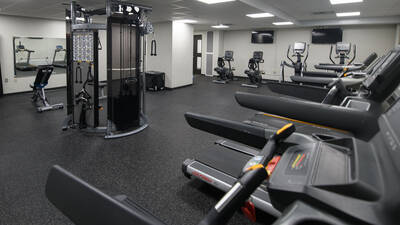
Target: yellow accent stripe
[299, 121]
[257, 166]
[284, 128]
[295, 161]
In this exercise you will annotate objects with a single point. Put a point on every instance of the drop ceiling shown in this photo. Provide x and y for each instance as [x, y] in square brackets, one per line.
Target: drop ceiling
[302, 12]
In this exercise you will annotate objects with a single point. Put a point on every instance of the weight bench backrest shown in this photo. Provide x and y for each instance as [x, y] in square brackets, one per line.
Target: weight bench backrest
[43, 76]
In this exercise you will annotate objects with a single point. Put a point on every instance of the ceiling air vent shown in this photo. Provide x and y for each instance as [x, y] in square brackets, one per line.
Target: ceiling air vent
[323, 13]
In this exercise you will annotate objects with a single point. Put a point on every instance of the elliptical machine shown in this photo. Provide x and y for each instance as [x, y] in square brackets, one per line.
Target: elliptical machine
[254, 72]
[299, 48]
[224, 74]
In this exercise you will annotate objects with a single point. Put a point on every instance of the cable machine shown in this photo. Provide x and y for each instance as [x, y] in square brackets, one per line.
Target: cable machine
[122, 114]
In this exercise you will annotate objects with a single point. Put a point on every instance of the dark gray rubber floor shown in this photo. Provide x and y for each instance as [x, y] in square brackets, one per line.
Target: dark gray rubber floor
[146, 167]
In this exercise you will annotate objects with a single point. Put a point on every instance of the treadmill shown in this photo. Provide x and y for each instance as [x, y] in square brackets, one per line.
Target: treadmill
[341, 70]
[360, 118]
[24, 66]
[342, 181]
[307, 89]
[63, 63]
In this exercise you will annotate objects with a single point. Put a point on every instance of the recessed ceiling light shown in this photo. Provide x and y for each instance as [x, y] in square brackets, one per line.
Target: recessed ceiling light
[185, 21]
[348, 14]
[215, 1]
[336, 2]
[282, 23]
[260, 15]
[221, 26]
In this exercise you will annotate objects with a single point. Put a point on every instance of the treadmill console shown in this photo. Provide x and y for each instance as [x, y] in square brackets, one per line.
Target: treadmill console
[228, 55]
[385, 78]
[299, 47]
[343, 48]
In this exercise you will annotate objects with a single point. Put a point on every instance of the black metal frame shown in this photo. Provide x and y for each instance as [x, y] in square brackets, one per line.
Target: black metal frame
[134, 19]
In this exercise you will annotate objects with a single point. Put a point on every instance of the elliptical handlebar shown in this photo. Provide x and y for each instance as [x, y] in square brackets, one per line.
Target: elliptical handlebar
[287, 55]
[354, 54]
[305, 59]
[330, 55]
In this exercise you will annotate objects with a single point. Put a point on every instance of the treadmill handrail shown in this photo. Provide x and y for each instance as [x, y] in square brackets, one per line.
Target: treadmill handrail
[243, 133]
[356, 121]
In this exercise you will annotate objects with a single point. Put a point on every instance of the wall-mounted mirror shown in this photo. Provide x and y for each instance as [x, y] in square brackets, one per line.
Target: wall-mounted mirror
[31, 52]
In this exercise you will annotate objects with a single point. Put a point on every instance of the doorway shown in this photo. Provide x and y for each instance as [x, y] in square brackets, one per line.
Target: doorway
[197, 54]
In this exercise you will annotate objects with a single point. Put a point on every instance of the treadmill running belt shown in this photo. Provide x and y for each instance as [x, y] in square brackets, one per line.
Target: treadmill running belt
[223, 159]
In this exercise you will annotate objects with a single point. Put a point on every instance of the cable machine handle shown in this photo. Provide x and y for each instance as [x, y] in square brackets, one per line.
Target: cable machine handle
[153, 48]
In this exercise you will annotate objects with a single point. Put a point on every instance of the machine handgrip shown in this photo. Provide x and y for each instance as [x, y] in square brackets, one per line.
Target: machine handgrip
[242, 133]
[347, 119]
[235, 197]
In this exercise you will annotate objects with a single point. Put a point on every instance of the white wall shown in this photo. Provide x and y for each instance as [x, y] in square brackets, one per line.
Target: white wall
[11, 26]
[163, 61]
[397, 36]
[367, 38]
[218, 49]
[182, 54]
[174, 53]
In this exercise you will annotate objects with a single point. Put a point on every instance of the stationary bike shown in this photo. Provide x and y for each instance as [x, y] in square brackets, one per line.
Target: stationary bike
[254, 72]
[224, 74]
[299, 48]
